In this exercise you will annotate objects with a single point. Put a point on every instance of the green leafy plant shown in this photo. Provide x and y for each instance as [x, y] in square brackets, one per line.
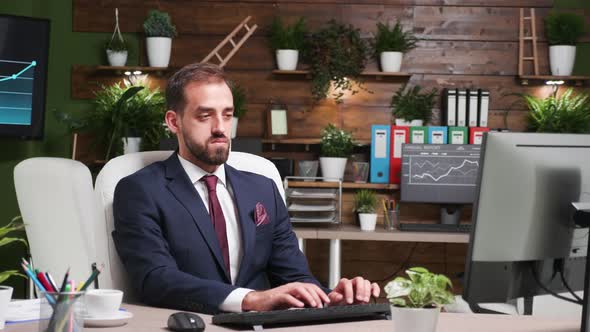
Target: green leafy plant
[365, 201]
[567, 113]
[336, 142]
[393, 39]
[14, 225]
[411, 104]
[239, 95]
[158, 24]
[563, 28]
[287, 37]
[423, 289]
[116, 44]
[337, 55]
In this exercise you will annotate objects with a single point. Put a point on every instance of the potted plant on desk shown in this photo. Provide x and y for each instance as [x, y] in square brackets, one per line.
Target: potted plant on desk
[6, 291]
[416, 302]
[411, 107]
[365, 202]
[335, 147]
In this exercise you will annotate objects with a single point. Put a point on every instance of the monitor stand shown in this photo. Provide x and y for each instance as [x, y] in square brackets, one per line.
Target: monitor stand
[450, 214]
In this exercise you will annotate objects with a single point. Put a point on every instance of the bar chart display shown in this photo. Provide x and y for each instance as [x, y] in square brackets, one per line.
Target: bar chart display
[439, 173]
[16, 91]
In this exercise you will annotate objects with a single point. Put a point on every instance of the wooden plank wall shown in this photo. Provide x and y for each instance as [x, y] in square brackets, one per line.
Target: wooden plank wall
[463, 43]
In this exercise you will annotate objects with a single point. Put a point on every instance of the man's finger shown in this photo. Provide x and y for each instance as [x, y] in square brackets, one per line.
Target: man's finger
[367, 295]
[302, 293]
[376, 290]
[289, 300]
[359, 287]
[314, 293]
[348, 291]
[323, 296]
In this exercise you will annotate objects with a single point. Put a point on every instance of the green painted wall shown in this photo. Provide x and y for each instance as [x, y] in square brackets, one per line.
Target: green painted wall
[68, 48]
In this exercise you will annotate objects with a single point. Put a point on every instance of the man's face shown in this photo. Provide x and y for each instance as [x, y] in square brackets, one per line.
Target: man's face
[204, 128]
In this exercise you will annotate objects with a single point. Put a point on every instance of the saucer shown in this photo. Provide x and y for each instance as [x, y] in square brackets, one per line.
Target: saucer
[120, 318]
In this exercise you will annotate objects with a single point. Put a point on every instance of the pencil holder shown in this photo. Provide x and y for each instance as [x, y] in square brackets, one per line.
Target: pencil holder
[391, 220]
[61, 312]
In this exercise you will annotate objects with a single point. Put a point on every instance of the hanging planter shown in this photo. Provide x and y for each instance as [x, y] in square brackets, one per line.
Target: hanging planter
[116, 48]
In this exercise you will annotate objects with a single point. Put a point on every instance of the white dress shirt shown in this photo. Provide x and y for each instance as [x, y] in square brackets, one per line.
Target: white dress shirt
[233, 302]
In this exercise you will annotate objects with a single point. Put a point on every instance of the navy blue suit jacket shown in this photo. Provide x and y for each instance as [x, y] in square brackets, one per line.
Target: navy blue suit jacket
[167, 243]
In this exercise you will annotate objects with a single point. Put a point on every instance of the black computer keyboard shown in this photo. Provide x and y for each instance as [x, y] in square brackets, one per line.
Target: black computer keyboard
[451, 228]
[305, 315]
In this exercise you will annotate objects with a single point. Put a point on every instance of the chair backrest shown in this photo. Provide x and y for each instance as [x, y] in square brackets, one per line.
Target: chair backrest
[118, 168]
[56, 200]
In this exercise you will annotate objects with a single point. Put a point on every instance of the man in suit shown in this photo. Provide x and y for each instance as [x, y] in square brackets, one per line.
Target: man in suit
[196, 234]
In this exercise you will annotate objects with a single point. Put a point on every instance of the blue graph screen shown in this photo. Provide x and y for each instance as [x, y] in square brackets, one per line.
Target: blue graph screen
[24, 45]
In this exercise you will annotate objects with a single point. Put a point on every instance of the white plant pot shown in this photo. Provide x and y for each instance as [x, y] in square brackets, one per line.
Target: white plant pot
[287, 59]
[391, 62]
[332, 168]
[413, 123]
[561, 59]
[131, 144]
[117, 58]
[368, 221]
[158, 51]
[414, 319]
[5, 296]
[234, 127]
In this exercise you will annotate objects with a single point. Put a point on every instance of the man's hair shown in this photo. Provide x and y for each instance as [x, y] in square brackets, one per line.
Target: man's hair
[196, 72]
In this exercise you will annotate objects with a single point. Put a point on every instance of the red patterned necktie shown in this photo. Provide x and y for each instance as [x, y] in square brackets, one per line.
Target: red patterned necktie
[217, 217]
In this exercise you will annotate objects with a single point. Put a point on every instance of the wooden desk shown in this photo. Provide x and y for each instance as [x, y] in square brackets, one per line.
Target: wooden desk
[338, 233]
[153, 319]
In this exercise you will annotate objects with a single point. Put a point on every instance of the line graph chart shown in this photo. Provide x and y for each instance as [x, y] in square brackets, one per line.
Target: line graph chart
[439, 173]
[16, 91]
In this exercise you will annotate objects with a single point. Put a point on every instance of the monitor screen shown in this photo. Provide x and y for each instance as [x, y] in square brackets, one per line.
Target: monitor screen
[522, 216]
[24, 46]
[439, 173]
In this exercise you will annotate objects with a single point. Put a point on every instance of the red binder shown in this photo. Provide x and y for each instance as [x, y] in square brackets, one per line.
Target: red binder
[476, 134]
[399, 135]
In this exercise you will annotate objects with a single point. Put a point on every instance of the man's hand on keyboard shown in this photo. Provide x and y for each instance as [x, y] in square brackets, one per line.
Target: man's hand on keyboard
[357, 290]
[296, 294]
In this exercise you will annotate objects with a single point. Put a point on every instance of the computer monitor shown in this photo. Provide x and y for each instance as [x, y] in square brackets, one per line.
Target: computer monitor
[522, 216]
[441, 174]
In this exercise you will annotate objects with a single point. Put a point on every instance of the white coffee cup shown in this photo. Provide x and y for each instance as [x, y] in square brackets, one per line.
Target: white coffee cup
[103, 302]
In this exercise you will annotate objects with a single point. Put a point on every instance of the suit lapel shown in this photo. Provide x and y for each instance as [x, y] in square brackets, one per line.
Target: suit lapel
[185, 192]
[248, 228]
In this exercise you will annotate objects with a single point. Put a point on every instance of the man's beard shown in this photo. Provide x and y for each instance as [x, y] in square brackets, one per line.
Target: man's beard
[200, 152]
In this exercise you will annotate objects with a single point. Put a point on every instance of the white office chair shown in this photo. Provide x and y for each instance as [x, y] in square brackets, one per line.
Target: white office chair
[56, 200]
[114, 275]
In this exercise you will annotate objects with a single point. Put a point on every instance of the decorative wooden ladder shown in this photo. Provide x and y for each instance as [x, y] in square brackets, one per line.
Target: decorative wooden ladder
[522, 39]
[229, 39]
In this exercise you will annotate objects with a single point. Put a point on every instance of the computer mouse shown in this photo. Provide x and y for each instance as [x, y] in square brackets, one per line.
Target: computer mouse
[185, 322]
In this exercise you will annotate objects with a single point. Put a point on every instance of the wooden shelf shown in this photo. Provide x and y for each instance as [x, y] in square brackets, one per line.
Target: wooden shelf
[345, 185]
[541, 79]
[122, 69]
[377, 74]
[307, 141]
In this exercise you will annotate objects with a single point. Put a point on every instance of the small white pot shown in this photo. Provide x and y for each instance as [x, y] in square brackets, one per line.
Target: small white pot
[131, 144]
[368, 221]
[413, 123]
[158, 51]
[117, 58]
[333, 168]
[5, 296]
[391, 62]
[414, 319]
[287, 59]
[234, 127]
[561, 59]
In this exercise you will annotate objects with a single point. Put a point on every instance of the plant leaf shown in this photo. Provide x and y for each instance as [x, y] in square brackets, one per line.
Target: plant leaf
[7, 274]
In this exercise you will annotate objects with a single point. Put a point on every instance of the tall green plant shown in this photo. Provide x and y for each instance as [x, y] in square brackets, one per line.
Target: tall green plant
[567, 113]
[393, 39]
[239, 95]
[337, 55]
[563, 28]
[159, 24]
[365, 201]
[287, 37]
[14, 225]
[411, 103]
[423, 289]
[336, 142]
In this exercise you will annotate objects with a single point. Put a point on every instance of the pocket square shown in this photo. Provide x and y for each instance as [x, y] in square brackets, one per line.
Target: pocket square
[260, 215]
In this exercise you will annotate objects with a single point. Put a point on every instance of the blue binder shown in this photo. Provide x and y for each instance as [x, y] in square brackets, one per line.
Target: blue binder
[437, 135]
[380, 141]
